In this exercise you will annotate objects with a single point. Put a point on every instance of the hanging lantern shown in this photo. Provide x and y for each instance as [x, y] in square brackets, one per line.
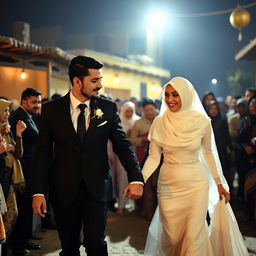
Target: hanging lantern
[239, 19]
[23, 74]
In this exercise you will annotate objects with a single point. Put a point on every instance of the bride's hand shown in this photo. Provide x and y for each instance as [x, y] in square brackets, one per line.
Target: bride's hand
[223, 192]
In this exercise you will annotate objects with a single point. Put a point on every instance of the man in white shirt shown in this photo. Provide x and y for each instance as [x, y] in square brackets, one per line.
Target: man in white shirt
[78, 127]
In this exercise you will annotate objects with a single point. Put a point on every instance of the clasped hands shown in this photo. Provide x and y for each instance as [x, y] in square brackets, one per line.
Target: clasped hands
[133, 191]
[4, 146]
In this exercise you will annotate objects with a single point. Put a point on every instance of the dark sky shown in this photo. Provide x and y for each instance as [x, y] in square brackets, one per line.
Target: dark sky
[197, 48]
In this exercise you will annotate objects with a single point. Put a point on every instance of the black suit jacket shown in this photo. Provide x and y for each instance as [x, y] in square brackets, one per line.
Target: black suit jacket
[29, 140]
[74, 161]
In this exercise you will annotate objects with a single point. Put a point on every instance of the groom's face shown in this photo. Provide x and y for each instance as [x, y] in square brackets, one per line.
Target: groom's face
[91, 84]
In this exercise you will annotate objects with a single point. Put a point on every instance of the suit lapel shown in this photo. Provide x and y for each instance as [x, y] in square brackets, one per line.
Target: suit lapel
[30, 120]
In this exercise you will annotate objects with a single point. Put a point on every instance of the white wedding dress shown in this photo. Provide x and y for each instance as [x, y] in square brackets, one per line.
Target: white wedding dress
[183, 194]
[187, 183]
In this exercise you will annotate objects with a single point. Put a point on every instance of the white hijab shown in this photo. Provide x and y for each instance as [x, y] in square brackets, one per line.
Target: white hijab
[182, 127]
[179, 129]
[128, 123]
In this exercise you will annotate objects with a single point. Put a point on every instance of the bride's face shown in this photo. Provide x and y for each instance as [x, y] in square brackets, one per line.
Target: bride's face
[172, 99]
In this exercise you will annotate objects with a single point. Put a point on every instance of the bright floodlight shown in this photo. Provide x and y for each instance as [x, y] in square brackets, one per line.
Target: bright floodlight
[214, 81]
[157, 19]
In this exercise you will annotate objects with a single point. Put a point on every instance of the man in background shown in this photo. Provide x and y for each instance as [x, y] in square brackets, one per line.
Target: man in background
[22, 231]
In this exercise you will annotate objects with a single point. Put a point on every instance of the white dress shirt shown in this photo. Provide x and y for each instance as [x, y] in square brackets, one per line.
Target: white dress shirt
[75, 111]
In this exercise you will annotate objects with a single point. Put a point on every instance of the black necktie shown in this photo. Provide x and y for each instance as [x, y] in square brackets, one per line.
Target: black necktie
[81, 129]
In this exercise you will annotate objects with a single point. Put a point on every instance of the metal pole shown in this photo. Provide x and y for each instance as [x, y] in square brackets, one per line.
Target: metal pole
[49, 75]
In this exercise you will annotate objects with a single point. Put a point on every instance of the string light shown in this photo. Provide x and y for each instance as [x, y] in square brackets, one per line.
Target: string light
[205, 14]
[239, 17]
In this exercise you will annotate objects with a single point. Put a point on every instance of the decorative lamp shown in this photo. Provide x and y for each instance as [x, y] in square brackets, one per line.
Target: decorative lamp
[23, 75]
[239, 19]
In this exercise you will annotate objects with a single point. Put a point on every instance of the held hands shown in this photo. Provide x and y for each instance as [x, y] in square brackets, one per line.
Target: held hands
[39, 205]
[223, 192]
[20, 128]
[133, 191]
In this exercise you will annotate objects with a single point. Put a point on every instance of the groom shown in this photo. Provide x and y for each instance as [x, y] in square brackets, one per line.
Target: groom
[73, 137]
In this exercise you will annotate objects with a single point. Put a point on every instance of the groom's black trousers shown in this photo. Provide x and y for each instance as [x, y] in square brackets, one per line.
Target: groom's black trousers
[86, 212]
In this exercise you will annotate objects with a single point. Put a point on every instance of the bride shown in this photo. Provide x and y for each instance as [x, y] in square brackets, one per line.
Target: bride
[183, 134]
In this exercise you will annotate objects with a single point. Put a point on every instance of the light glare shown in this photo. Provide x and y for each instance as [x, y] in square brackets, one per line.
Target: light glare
[214, 81]
[157, 19]
[23, 75]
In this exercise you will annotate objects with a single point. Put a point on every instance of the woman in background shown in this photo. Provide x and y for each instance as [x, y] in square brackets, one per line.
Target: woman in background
[247, 140]
[128, 117]
[222, 139]
[12, 177]
[208, 96]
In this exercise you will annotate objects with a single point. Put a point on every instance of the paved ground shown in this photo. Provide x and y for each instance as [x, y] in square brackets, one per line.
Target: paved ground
[126, 235]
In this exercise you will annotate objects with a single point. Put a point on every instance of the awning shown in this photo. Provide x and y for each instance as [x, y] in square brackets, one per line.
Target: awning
[12, 45]
[248, 52]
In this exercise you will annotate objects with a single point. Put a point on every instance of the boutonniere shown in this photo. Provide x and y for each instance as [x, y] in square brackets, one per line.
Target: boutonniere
[97, 113]
[5, 130]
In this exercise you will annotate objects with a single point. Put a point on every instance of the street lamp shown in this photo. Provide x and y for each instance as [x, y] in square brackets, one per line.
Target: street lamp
[156, 21]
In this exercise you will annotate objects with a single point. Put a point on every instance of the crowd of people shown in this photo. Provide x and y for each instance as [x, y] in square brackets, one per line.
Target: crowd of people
[19, 129]
[234, 127]
[233, 123]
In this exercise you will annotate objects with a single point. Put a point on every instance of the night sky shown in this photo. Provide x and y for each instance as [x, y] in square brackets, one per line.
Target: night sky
[197, 48]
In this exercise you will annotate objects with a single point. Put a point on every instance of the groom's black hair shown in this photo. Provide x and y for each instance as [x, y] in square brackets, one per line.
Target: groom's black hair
[79, 66]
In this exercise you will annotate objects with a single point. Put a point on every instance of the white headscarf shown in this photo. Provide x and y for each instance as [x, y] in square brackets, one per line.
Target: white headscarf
[179, 129]
[128, 123]
[182, 127]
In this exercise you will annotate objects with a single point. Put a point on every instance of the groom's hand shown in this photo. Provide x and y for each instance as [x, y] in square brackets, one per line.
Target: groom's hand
[39, 205]
[133, 191]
